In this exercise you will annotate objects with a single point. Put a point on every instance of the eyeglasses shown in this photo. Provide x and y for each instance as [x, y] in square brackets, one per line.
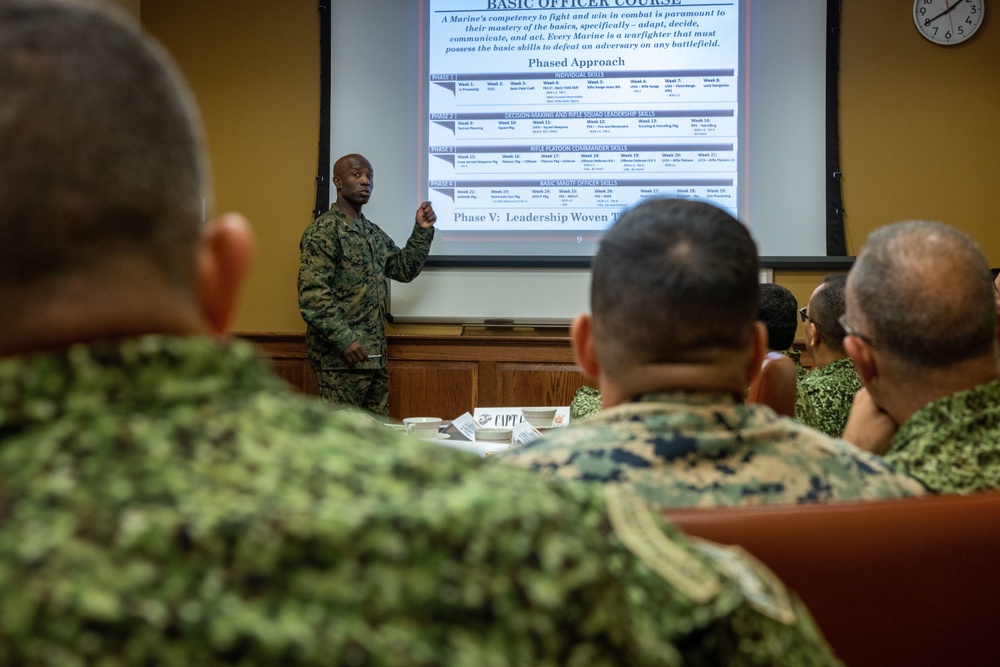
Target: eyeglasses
[806, 318]
[851, 331]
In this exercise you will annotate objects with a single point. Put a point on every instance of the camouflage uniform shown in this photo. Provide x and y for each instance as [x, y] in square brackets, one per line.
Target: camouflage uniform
[586, 401]
[343, 297]
[683, 449]
[952, 444]
[168, 501]
[825, 397]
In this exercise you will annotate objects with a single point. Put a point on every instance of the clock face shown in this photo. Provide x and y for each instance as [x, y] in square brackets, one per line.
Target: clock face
[947, 21]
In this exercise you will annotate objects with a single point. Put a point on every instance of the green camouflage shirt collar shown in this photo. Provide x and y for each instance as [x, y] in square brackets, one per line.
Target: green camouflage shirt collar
[959, 410]
[839, 367]
[340, 218]
[138, 372]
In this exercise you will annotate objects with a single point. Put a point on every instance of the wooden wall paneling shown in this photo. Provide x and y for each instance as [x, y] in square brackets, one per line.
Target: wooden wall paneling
[432, 388]
[287, 355]
[537, 383]
[445, 376]
[512, 370]
[294, 372]
[489, 385]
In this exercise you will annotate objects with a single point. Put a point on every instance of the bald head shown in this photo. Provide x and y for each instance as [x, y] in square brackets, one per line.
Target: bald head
[354, 179]
[345, 163]
[924, 292]
[825, 308]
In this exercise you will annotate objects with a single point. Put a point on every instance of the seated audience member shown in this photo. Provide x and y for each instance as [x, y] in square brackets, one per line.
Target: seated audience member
[826, 392]
[775, 384]
[674, 342]
[925, 348]
[778, 310]
[167, 500]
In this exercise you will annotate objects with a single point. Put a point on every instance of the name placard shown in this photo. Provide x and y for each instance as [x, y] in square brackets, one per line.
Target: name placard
[511, 417]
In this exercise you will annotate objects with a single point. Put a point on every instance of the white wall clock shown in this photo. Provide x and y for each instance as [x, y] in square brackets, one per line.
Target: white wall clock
[947, 21]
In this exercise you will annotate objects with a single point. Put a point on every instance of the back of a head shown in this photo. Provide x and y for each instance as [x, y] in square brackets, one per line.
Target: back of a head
[673, 281]
[826, 307]
[926, 293]
[778, 310]
[99, 146]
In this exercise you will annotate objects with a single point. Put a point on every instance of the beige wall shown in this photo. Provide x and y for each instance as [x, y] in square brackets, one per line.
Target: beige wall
[254, 67]
[919, 127]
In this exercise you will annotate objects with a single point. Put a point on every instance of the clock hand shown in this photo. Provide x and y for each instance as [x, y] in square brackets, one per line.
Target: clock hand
[931, 20]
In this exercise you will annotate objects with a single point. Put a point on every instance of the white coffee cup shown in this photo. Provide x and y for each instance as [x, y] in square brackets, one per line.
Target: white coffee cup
[539, 417]
[422, 427]
[494, 434]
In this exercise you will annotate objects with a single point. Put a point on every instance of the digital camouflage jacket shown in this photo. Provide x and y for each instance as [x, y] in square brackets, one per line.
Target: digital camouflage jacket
[826, 395]
[684, 449]
[952, 444]
[168, 501]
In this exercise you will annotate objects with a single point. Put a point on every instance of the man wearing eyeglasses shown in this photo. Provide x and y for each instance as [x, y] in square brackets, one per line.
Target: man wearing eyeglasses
[825, 394]
[925, 349]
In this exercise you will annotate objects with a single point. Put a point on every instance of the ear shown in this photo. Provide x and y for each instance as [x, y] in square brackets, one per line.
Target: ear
[813, 334]
[224, 255]
[582, 338]
[757, 349]
[863, 357]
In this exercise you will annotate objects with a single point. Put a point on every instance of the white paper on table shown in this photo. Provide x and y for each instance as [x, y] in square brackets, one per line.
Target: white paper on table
[525, 433]
[465, 425]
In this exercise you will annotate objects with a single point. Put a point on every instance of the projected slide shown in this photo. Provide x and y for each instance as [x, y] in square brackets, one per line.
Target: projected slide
[553, 115]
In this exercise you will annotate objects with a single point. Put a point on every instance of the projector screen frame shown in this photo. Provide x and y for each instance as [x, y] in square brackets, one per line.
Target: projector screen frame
[836, 251]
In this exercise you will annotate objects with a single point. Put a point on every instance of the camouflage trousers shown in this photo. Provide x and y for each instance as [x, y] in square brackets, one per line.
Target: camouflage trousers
[366, 388]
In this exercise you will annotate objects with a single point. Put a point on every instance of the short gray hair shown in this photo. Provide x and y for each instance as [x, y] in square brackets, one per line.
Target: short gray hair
[926, 292]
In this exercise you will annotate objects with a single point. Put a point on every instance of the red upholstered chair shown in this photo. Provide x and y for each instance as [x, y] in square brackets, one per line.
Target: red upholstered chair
[914, 581]
[775, 385]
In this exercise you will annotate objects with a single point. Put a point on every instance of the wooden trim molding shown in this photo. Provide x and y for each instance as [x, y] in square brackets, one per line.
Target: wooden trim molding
[447, 375]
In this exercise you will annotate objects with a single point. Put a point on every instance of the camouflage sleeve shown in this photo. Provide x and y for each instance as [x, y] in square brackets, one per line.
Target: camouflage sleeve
[271, 538]
[405, 265]
[805, 412]
[320, 309]
[756, 619]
